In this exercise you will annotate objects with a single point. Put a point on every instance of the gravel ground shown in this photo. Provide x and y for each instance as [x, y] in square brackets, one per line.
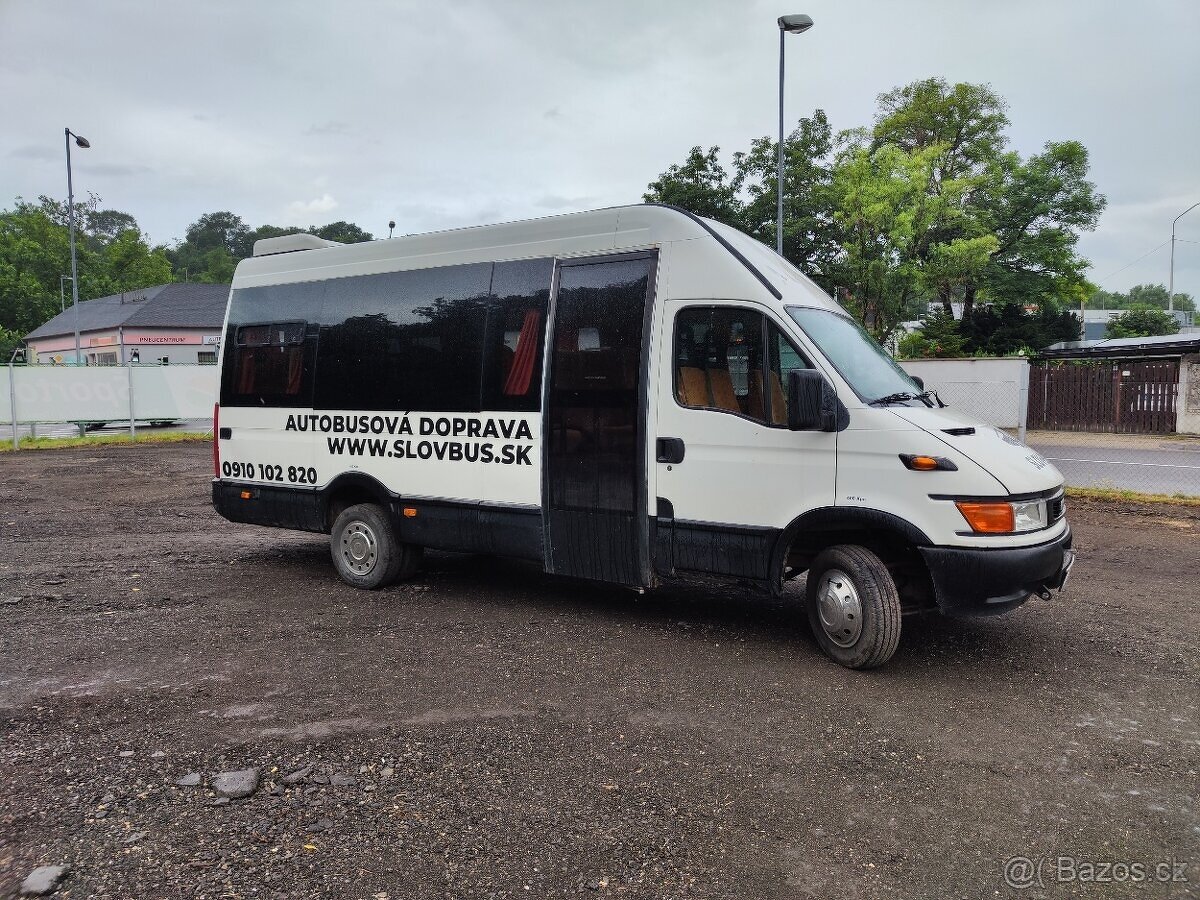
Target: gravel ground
[488, 731]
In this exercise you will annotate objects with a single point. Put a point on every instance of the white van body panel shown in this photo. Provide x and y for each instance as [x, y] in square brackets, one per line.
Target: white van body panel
[792, 471]
[737, 472]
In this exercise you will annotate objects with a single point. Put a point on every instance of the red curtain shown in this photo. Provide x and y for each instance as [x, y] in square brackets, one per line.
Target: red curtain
[295, 370]
[521, 373]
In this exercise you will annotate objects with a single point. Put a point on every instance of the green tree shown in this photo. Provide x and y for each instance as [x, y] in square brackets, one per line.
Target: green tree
[217, 242]
[211, 248]
[343, 233]
[880, 213]
[808, 229]
[1141, 320]
[956, 131]
[1140, 294]
[111, 253]
[130, 263]
[746, 199]
[938, 337]
[1005, 329]
[965, 122]
[222, 230]
[107, 225]
[1037, 209]
[700, 185]
[926, 204]
[986, 224]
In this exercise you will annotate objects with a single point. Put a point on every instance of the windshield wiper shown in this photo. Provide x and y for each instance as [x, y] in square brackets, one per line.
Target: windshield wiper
[898, 397]
[926, 397]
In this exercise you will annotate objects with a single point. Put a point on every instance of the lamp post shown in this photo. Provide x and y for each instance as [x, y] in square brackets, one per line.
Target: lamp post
[81, 143]
[62, 299]
[787, 25]
[1171, 278]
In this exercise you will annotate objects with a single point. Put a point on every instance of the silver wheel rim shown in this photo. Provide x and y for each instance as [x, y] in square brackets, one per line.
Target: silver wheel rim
[360, 549]
[839, 608]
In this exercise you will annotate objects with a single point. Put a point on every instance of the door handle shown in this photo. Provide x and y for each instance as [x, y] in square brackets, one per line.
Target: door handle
[669, 450]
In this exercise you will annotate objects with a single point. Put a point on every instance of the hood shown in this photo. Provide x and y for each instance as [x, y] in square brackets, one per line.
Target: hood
[1017, 467]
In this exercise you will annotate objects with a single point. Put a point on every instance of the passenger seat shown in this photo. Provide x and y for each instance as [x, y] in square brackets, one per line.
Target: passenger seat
[721, 385]
[692, 387]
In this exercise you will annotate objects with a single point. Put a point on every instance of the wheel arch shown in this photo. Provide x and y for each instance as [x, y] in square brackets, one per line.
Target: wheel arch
[892, 538]
[350, 488]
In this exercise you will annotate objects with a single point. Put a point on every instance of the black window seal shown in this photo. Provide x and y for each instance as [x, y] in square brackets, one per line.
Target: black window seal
[728, 246]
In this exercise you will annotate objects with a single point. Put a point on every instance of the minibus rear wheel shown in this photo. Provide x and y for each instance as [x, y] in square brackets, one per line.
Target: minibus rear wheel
[365, 550]
[853, 606]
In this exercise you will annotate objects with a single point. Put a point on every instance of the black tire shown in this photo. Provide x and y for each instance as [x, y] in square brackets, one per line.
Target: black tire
[365, 550]
[871, 641]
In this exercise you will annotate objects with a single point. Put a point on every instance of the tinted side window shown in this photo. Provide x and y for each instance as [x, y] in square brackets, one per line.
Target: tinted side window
[270, 345]
[516, 332]
[404, 340]
[719, 360]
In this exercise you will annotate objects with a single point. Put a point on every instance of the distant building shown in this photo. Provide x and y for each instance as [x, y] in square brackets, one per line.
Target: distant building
[1095, 321]
[178, 324]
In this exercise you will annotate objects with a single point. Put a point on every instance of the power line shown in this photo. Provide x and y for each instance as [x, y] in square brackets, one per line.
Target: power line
[1135, 262]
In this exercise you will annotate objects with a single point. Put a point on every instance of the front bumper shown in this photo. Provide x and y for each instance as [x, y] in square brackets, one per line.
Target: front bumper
[969, 581]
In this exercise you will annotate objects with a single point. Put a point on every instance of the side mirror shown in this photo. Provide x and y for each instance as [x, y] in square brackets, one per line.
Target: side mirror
[918, 381]
[812, 402]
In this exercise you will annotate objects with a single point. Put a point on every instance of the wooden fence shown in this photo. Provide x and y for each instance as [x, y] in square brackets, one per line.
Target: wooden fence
[1124, 396]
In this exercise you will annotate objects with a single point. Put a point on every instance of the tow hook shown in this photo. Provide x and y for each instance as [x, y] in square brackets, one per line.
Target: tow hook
[1043, 593]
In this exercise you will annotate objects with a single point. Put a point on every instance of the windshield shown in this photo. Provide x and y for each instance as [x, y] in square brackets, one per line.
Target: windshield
[862, 362]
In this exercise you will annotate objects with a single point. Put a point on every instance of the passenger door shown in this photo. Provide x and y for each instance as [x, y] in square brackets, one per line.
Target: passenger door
[595, 498]
[743, 475]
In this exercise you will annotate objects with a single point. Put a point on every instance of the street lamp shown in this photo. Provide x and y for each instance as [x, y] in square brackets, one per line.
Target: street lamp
[62, 300]
[82, 144]
[787, 25]
[1171, 280]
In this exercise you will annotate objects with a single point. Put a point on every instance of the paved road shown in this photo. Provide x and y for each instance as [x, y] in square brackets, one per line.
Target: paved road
[1135, 463]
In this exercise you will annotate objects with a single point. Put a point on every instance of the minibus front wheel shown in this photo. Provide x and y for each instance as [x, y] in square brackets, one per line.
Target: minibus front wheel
[853, 606]
[365, 550]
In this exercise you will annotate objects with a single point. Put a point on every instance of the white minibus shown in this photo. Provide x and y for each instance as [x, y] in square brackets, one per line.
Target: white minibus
[620, 396]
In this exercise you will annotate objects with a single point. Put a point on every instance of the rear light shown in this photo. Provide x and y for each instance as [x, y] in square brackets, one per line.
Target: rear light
[216, 438]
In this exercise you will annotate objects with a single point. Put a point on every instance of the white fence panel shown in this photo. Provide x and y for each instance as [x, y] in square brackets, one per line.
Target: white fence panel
[174, 392]
[995, 391]
[46, 394]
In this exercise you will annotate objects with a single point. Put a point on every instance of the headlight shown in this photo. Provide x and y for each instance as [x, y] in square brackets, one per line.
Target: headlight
[1029, 515]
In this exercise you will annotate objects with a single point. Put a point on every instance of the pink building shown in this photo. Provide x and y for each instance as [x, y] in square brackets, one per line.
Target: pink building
[179, 324]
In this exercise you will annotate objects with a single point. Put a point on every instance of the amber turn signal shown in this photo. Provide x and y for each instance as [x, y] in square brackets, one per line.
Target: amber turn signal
[920, 463]
[410, 512]
[988, 518]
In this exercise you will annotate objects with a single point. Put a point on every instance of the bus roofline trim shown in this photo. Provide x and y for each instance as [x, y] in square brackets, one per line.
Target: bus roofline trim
[737, 254]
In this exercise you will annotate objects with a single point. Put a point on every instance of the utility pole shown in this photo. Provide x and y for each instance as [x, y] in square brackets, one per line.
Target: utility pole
[1171, 278]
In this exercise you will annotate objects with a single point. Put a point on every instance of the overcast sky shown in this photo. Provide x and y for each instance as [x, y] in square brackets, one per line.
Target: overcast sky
[440, 114]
